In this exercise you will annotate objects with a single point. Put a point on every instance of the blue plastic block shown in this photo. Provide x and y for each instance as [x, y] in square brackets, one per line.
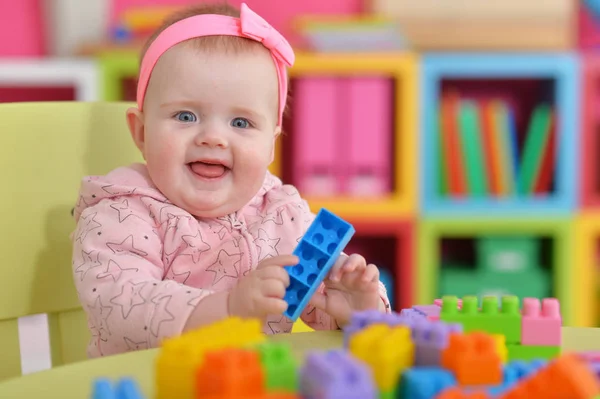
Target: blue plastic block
[524, 369]
[336, 375]
[594, 7]
[425, 382]
[126, 388]
[318, 250]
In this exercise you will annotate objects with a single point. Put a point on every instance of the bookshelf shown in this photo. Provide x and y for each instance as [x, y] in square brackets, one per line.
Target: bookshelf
[521, 82]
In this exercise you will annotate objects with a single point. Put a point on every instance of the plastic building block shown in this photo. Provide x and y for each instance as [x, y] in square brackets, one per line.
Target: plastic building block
[458, 393]
[318, 250]
[439, 301]
[281, 368]
[388, 351]
[363, 319]
[541, 327]
[473, 358]
[412, 314]
[181, 356]
[501, 347]
[428, 310]
[506, 321]
[125, 388]
[430, 339]
[425, 383]
[230, 373]
[336, 375]
[566, 377]
[524, 369]
[531, 352]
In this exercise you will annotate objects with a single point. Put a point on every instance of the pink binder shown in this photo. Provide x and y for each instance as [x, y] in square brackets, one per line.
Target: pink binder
[315, 125]
[369, 128]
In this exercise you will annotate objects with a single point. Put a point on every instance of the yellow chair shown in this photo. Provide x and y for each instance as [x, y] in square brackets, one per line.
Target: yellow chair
[46, 148]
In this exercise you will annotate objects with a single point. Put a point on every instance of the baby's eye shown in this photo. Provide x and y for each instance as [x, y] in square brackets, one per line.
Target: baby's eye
[185, 116]
[240, 123]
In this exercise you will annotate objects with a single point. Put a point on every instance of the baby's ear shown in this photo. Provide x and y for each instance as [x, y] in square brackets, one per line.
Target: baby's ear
[275, 136]
[135, 121]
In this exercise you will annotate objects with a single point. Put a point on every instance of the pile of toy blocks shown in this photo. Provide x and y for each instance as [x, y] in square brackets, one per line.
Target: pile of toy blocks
[531, 333]
[461, 351]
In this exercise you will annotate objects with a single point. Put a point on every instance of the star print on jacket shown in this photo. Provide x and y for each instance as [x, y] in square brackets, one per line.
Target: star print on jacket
[141, 265]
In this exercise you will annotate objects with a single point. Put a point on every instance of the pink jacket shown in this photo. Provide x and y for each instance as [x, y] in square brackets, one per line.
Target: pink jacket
[141, 264]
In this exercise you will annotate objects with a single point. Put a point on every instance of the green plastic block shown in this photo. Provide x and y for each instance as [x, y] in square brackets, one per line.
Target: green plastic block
[531, 352]
[280, 366]
[387, 395]
[508, 254]
[491, 319]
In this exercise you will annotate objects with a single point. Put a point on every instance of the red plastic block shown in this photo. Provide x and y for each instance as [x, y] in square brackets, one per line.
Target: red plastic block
[473, 358]
[230, 373]
[567, 377]
[457, 393]
[541, 326]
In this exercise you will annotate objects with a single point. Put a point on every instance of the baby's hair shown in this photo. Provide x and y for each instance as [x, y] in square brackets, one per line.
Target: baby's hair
[235, 44]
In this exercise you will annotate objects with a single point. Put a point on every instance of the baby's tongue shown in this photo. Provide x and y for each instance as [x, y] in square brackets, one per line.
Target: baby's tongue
[208, 170]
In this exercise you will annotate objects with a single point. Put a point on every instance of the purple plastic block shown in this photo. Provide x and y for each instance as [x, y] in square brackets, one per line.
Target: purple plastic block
[336, 375]
[595, 366]
[430, 338]
[412, 314]
[428, 310]
[361, 320]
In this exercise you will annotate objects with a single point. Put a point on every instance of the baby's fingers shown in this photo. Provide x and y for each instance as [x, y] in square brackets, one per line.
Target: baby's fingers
[347, 265]
[270, 305]
[273, 288]
[371, 274]
[281, 260]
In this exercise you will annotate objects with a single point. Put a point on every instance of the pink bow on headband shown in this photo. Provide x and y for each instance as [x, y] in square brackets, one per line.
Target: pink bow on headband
[249, 25]
[255, 27]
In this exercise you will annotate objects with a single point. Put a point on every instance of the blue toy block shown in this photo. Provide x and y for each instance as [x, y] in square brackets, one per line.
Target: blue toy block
[425, 382]
[524, 369]
[125, 388]
[336, 375]
[594, 7]
[562, 69]
[318, 250]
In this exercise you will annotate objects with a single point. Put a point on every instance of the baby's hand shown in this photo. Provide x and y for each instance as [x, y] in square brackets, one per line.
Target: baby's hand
[261, 291]
[351, 286]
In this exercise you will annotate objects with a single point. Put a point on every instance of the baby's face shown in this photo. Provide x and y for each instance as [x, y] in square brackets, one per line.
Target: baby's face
[209, 127]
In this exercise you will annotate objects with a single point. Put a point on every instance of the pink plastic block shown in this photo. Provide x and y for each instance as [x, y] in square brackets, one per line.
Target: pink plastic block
[541, 326]
[21, 29]
[316, 163]
[369, 131]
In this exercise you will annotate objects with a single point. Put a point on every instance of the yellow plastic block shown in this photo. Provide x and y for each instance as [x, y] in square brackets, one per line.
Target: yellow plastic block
[180, 357]
[388, 351]
[501, 347]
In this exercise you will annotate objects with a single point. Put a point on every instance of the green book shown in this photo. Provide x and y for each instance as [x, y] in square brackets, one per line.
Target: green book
[470, 133]
[533, 149]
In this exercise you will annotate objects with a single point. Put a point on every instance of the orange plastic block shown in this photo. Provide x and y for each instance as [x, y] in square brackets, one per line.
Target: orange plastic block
[473, 358]
[230, 373]
[566, 377]
[457, 393]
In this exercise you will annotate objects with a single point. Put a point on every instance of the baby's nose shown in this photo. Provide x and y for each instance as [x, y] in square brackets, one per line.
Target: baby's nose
[211, 139]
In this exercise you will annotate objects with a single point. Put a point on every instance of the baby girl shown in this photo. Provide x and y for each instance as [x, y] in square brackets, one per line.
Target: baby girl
[201, 231]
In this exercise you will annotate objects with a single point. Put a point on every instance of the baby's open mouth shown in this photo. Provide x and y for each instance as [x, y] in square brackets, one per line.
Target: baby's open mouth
[208, 169]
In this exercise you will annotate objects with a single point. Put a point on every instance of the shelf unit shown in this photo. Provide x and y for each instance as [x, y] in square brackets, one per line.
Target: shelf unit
[559, 69]
[590, 143]
[50, 79]
[585, 268]
[560, 231]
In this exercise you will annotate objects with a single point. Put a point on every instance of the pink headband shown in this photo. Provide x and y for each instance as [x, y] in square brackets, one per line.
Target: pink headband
[250, 25]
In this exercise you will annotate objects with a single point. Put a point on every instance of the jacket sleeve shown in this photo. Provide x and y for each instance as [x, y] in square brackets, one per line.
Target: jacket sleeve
[118, 272]
[315, 318]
